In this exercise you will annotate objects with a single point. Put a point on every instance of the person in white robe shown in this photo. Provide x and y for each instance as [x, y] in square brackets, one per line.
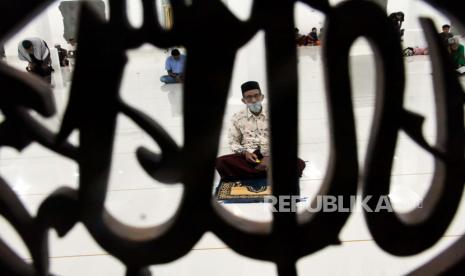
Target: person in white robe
[36, 52]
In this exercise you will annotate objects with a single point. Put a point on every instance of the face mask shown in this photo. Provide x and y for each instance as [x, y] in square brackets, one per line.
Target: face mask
[255, 107]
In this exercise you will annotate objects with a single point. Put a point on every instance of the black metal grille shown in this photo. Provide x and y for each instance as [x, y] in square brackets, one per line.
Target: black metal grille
[94, 104]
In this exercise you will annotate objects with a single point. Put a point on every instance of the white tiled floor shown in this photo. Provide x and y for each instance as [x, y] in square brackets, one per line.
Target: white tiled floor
[138, 200]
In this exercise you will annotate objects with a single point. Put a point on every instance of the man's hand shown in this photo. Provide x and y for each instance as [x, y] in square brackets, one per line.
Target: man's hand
[251, 157]
[264, 163]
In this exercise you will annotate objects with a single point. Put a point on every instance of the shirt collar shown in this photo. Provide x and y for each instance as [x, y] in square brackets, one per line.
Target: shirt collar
[264, 112]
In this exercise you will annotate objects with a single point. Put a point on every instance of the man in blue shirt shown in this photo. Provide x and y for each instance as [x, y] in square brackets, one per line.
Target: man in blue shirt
[175, 67]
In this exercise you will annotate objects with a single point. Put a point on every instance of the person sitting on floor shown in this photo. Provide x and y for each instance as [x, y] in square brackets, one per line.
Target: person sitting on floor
[62, 55]
[249, 140]
[300, 40]
[37, 53]
[175, 67]
[457, 52]
[446, 35]
[313, 37]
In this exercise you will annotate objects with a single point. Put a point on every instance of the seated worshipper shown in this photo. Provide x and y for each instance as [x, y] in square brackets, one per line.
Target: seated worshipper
[446, 35]
[300, 40]
[457, 52]
[62, 55]
[313, 37]
[175, 67]
[397, 18]
[248, 139]
[36, 52]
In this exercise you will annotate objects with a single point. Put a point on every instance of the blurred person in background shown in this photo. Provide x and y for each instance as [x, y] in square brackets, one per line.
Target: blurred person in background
[36, 52]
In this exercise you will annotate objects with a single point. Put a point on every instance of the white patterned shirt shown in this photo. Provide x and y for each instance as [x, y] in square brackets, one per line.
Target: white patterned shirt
[249, 132]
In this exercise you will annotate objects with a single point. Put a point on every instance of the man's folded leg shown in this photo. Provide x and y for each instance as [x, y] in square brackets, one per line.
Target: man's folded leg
[234, 167]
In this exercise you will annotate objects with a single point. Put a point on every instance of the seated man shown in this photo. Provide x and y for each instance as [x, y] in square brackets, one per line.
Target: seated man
[36, 52]
[248, 139]
[300, 40]
[62, 55]
[175, 67]
[446, 35]
[457, 52]
[313, 37]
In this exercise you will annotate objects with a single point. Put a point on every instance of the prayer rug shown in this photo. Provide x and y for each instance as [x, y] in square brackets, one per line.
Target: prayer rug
[243, 191]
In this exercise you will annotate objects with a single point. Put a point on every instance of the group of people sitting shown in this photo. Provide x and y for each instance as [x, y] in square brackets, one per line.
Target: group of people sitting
[454, 47]
[312, 39]
[175, 63]
[451, 43]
